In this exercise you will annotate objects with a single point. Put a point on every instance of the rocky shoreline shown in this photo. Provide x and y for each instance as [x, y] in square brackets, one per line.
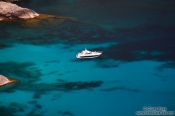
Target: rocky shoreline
[4, 81]
[10, 11]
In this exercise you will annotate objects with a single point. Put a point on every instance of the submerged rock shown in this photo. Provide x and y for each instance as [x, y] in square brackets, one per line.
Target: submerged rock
[10, 11]
[4, 80]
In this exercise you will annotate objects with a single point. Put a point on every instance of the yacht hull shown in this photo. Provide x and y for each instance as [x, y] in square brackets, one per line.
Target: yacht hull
[82, 57]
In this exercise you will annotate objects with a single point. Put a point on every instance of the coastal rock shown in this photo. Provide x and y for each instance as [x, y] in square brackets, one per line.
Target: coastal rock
[10, 11]
[4, 80]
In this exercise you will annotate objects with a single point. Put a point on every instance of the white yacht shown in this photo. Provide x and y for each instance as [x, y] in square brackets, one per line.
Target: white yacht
[88, 54]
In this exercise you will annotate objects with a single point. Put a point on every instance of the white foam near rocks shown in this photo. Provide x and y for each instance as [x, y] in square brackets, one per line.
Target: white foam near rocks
[11, 11]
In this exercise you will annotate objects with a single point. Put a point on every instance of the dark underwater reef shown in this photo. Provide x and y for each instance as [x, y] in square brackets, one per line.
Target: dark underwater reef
[24, 72]
[27, 75]
[14, 108]
[3, 46]
[59, 30]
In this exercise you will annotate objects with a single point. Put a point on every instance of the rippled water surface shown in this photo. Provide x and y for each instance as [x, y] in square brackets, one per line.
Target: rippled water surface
[137, 67]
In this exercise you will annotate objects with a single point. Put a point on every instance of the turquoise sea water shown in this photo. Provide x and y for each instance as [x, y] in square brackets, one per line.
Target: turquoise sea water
[137, 67]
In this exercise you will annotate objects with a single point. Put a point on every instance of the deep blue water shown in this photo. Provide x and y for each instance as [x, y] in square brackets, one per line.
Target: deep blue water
[137, 67]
